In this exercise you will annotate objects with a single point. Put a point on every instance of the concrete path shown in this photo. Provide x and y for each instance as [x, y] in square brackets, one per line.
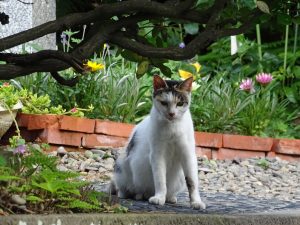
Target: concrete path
[223, 209]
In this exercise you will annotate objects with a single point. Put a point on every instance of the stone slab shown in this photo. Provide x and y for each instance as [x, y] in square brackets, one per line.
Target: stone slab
[151, 219]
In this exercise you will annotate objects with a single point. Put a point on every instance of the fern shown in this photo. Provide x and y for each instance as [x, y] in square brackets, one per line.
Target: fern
[37, 158]
[8, 178]
[78, 204]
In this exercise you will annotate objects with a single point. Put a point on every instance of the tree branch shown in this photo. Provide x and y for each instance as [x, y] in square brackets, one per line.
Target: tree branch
[72, 82]
[29, 59]
[105, 11]
[56, 62]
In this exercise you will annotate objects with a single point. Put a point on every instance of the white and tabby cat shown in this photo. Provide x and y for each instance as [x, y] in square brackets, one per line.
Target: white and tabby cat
[160, 159]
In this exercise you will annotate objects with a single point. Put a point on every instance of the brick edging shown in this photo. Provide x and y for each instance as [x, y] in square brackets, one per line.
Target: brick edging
[92, 133]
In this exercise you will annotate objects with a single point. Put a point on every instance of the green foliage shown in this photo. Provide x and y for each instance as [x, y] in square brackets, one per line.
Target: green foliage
[34, 104]
[114, 93]
[219, 106]
[34, 174]
[263, 163]
[8, 95]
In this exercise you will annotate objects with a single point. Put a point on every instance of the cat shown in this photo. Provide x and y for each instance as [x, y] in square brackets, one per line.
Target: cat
[160, 160]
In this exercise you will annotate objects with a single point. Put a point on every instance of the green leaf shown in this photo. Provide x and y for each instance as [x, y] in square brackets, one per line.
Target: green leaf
[191, 28]
[289, 92]
[296, 71]
[142, 68]
[76, 40]
[8, 178]
[165, 70]
[250, 4]
[296, 19]
[33, 198]
[204, 4]
[131, 56]
[284, 19]
[263, 6]
[2, 161]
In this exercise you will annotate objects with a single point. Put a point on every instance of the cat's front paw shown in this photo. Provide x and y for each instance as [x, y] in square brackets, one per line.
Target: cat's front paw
[172, 200]
[198, 205]
[157, 200]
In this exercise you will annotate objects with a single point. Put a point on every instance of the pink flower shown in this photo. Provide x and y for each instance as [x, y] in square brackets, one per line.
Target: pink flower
[21, 149]
[5, 84]
[74, 110]
[247, 85]
[264, 78]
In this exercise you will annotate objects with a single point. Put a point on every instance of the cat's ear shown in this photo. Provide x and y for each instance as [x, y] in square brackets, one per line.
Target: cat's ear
[186, 85]
[158, 83]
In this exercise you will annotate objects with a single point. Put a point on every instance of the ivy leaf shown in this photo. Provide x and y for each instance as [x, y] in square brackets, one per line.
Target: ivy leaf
[262, 6]
[191, 28]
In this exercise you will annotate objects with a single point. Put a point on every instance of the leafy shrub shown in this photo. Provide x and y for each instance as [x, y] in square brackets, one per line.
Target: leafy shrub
[34, 176]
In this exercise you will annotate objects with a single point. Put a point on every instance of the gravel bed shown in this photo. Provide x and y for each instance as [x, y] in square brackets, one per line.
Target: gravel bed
[259, 178]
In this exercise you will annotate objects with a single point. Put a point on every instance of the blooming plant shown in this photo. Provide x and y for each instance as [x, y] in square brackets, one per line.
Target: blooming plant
[93, 66]
[184, 74]
[264, 78]
[247, 85]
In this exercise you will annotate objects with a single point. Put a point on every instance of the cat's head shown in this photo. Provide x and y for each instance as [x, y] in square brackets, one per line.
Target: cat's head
[171, 98]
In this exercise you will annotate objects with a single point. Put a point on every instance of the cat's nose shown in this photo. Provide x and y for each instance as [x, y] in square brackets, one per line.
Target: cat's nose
[171, 114]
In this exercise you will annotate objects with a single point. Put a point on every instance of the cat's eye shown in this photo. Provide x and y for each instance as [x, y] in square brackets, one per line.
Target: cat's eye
[180, 104]
[164, 103]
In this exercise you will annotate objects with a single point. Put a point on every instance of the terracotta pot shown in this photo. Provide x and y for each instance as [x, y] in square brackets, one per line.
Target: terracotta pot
[7, 118]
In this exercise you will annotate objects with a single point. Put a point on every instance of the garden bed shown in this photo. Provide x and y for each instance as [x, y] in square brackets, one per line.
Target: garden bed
[77, 134]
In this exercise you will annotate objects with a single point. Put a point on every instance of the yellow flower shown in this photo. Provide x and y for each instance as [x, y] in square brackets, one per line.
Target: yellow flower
[185, 74]
[197, 66]
[94, 66]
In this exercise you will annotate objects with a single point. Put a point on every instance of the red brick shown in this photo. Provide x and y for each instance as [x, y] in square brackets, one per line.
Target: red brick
[200, 151]
[55, 136]
[205, 139]
[113, 128]
[291, 158]
[247, 142]
[287, 146]
[37, 122]
[271, 154]
[23, 119]
[98, 140]
[225, 153]
[73, 123]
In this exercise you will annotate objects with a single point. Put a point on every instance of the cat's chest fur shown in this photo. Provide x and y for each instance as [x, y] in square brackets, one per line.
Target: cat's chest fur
[167, 132]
